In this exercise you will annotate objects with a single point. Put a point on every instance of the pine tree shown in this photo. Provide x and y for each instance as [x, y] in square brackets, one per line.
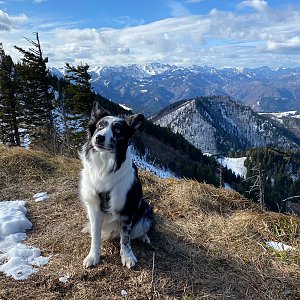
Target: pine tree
[79, 93]
[78, 102]
[36, 93]
[9, 105]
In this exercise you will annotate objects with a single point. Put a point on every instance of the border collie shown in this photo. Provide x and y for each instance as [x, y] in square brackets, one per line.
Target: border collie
[110, 188]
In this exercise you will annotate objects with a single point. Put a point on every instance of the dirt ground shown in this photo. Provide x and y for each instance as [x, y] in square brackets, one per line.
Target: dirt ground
[208, 243]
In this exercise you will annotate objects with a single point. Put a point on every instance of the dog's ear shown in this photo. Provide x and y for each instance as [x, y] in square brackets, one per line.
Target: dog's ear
[97, 113]
[135, 121]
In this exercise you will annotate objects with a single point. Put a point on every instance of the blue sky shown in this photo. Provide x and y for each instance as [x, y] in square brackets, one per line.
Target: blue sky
[241, 33]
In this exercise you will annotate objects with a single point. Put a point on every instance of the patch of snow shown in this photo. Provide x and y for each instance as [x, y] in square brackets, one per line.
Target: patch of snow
[236, 165]
[64, 279]
[26, 141]
[124, 293]
[207, 154]
[16, 259]
[125, 107]
[106, 83]
[97, 70]
[42, 196]
[278, 246]
[228, 187]
[279, 115]
[141, 162]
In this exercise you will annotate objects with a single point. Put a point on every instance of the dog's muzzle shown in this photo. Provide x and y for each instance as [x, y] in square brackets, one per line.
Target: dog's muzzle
[100, 139]
[100, 143]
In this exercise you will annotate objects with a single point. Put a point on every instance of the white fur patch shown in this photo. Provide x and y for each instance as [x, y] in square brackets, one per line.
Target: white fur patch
[128, 258]
[96, 177]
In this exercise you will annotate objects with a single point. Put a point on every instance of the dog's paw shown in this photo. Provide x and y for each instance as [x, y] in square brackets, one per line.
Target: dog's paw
[91, 260]
[128, 259]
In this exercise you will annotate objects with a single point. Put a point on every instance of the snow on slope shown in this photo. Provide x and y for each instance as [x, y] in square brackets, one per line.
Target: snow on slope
[236, 165]
[16, 259]
[142, 163]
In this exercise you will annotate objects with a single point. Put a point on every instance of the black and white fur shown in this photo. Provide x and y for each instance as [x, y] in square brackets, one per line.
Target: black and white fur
[110, 188]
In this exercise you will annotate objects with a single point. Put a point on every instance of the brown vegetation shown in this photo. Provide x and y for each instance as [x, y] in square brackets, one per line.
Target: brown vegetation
[208, 243]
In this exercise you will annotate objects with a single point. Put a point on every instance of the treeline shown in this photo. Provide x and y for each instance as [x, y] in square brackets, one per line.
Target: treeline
[40, 109]
[280, 175]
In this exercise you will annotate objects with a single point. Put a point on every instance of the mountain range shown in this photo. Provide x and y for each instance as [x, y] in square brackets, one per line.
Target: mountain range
[211, 123]
[219, 124]
[151, 87]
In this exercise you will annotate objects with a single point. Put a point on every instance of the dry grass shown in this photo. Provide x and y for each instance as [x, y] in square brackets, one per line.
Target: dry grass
[208, 243]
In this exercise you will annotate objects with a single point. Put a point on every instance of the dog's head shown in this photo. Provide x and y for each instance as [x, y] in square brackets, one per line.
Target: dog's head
[112, 134]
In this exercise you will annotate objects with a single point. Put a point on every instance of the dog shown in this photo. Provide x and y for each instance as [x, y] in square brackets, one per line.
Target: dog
[110, 188]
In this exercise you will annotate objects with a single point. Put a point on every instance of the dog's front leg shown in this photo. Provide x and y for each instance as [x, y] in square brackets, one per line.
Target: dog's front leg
[96, 219]
[128, 258]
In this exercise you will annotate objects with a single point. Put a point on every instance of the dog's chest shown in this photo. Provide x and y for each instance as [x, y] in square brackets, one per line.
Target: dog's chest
[111, 187]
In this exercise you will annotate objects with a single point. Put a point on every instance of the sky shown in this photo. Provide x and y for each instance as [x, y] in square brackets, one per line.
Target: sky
[225, 33]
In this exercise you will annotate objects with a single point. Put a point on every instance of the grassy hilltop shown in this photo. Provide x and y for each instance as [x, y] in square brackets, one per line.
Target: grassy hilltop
[208, 243]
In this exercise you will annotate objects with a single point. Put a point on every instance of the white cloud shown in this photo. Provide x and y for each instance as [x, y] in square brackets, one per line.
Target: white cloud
[288, 46]
[194, 1]
[38, 1]
[177, 9]
[151, 41]
[8, 23]
[252, 38]
[218, 38]
[256, 4]
[126, 21]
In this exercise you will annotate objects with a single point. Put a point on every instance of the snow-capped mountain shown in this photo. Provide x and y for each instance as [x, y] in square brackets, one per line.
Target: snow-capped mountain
[151, 87]
[219, 124]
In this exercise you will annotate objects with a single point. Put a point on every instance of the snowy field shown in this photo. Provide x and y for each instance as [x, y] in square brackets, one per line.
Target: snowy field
[17, 259]
[236, 165]
[280, 115]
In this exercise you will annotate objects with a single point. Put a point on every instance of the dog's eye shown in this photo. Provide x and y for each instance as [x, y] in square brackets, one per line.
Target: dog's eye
[102, 124]
[117, 130]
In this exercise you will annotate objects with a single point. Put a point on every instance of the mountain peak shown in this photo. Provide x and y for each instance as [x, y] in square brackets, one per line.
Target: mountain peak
[219, 124]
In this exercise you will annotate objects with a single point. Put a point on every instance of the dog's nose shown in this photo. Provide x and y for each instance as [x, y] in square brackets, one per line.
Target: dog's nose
[100, 139]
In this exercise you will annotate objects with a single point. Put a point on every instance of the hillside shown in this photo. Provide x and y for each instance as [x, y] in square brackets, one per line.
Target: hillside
[281, 176]
[219, 124]
[208, 243]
